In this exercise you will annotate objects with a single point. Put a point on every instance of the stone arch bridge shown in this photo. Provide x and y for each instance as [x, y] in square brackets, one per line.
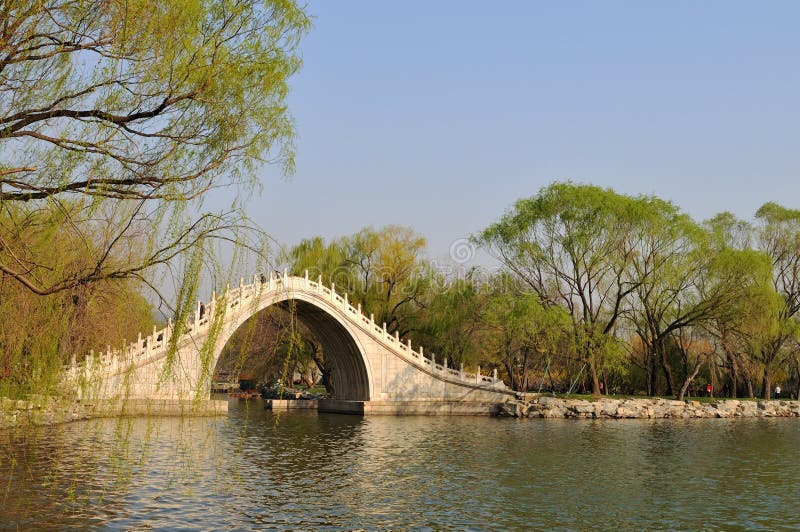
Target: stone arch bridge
[372, 371]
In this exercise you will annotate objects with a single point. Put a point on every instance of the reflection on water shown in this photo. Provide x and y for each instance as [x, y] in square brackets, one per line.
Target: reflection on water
[257, 470]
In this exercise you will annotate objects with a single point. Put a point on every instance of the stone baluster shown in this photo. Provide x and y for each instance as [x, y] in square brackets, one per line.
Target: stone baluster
[319, 282]
[478, 375]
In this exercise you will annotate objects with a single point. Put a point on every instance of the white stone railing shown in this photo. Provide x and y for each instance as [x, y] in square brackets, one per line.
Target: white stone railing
[145, 349]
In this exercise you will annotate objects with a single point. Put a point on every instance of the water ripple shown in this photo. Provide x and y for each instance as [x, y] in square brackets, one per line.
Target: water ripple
[257, 470]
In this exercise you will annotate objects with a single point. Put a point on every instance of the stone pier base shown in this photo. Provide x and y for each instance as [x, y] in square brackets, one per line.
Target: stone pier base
[292, 404]
[388, 408]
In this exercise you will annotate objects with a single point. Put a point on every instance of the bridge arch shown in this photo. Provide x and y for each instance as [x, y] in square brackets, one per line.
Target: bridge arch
[351, 371]
[371, 367]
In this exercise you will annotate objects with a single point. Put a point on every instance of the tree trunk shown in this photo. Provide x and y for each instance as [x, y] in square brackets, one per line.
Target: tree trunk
[648, 373]
[797, 386]
[308, 377]
[325, 370]
[689, 379]
[525, 370]
[510, 369]
[748, 380]
[326, 380]
[734, 373]
[595, 379]
[662, 349]
[770, 357]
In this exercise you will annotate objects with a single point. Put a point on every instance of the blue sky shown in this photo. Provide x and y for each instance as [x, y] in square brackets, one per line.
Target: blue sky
[439, 115]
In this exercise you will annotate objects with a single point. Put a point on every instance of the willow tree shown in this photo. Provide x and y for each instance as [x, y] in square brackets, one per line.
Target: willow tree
[320, 259]
[574, 246]
[382, 269]
[451, 321]
[778, 235]
[121, 114]
[744, 321]
[665, 268]
[38, 334]
[523, 335]
[391, 277]
[692, 279]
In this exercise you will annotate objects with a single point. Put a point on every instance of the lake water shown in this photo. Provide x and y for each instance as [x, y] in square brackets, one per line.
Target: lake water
[256, 470]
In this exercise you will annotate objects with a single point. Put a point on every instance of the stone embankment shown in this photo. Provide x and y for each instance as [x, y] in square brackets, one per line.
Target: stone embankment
[38, 410]
[43, 410]
[551, 407]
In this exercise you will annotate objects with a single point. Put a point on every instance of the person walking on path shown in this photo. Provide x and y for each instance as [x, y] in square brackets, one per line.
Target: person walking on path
[778, 391]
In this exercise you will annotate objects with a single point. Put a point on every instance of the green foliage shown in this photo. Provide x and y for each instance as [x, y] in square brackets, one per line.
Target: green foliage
[579, 246]
[133, 97]
[522, 334]
[725, 230]
[451, 322]
[772, 213]
[38, 334]
[380, 269]
[619, 265]
[121, 114]
[319, 259]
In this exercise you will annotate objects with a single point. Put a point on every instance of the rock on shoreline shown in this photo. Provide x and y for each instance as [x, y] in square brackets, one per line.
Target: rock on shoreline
[552, 407]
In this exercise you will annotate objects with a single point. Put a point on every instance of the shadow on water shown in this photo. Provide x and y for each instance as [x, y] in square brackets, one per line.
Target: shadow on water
[256, 469]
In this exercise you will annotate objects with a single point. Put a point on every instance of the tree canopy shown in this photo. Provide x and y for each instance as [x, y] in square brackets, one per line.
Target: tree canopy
[118, 113]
